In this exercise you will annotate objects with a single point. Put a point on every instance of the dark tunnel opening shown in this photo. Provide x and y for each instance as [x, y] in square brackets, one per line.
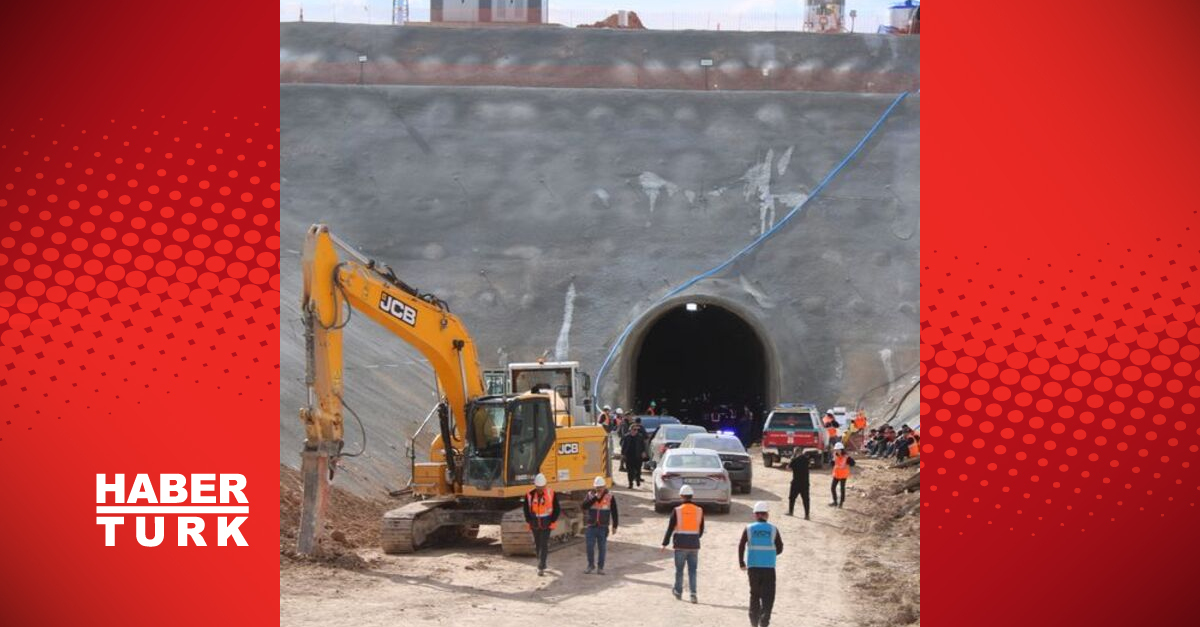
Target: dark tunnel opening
[704, 365]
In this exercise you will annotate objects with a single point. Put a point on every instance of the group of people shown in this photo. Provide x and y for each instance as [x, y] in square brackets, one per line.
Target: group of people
[758, 547]
[885, 443]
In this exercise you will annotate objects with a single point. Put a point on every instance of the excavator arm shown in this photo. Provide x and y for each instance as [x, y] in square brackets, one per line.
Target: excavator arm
[332, 287]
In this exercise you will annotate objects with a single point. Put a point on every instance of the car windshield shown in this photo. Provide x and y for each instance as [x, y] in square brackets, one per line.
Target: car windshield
[679, 432]
[791, 420]
[693, 461]
[723, 445]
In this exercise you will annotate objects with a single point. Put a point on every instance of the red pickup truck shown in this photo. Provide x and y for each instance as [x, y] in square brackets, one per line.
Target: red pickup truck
[791, 430]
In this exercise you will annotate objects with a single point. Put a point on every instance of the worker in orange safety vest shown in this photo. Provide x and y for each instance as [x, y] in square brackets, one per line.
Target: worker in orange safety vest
[841, 472]
[685, 528]
[541, 514]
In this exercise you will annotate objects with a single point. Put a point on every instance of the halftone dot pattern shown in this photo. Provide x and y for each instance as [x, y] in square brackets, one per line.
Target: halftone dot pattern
[1043, 388]
[141, 252]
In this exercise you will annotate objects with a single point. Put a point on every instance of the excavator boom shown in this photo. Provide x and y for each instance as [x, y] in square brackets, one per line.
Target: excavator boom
[332, 288]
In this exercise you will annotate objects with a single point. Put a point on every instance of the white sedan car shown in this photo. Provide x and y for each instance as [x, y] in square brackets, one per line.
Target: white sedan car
[700, 468]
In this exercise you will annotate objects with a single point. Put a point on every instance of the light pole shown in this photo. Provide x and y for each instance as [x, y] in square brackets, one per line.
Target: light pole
[853, 14]
[362, 63]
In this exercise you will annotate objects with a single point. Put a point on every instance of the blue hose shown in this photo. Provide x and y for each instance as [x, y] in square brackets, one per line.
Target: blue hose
[761, 238]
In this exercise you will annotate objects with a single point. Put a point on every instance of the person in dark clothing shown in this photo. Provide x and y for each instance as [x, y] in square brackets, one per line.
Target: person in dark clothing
[799, 466]
[541, 514]
[599, 511]
[757, 549]
[633, 450]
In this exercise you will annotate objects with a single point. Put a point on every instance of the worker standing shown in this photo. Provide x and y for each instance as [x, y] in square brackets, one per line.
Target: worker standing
[841, 472]
[599, 511]
[860, 428]
[605, 419]
[757, 549]
[799, 467]
[684, 529]
[541, 513]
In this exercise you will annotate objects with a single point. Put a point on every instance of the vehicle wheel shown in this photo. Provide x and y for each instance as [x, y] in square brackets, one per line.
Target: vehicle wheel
[660, 508]
[723, 509]
[768, 461]
[747, 488]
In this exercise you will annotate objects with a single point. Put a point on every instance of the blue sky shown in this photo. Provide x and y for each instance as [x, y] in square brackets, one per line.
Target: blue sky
[729, 14]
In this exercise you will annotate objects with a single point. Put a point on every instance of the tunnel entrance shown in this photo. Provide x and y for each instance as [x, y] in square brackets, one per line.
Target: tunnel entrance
[705, 365]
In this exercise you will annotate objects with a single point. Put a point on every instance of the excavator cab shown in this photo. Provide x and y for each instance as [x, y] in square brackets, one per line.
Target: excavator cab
[507, 440]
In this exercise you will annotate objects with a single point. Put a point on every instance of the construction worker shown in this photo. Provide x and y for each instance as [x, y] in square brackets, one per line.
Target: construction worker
[599, 511]
[605, 419]
[799, 466]
[684, 530]
[541, 513]
[831, 426]
[858, 432]
[653, 409]
[757, 549]
[841, 472]
[860, 421]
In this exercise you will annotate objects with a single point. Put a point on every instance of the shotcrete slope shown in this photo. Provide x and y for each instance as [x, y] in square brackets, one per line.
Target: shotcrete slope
[500, 200]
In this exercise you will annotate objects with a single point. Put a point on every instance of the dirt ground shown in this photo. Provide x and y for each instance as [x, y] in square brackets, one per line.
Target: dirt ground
[855, 566]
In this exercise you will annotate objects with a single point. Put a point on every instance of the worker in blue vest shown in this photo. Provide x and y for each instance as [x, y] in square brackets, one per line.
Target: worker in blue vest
[757, 549]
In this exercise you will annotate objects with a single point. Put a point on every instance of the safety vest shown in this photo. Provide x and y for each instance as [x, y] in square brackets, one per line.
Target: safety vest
[831, 431]
[541, 507]
[914, 450]
[841, 466]
[688, 518]
[860, 422]
[760, 549]
[600, 513]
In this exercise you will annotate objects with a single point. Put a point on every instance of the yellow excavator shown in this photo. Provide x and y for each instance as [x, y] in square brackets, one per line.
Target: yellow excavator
[490, 446]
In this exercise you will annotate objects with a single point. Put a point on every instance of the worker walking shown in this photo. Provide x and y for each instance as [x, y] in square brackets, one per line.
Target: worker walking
[541, 513]
[599, 511]
[841, 471]
[633, 451]
[799, 467]
[684, 529]
[757, 549]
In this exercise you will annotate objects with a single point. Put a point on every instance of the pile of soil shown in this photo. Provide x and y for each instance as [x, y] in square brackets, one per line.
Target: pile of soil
[889, 581]
[614, 21]
[351, 522]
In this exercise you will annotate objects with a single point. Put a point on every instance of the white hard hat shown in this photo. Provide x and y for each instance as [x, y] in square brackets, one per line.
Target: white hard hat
[686, 491]
[540, 480]
[761, 507]
[598, 482]
[620, 411]
[839, 446]
[607, 408]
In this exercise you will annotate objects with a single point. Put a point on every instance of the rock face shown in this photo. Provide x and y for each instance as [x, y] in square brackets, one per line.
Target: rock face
[553, 220]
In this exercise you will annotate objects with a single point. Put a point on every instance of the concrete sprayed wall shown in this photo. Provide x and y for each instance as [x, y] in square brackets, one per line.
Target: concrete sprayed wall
[519, 205]
[600, 58]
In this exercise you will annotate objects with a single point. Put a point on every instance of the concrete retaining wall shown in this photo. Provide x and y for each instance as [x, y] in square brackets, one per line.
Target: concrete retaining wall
[598, 58]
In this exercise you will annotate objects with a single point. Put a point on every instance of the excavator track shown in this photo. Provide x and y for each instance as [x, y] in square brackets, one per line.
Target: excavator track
[408, 528]
[516, 539]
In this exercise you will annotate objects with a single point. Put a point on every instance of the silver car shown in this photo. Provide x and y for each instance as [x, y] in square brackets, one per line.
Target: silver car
[700, 468]
[733, 456]
[666, 438]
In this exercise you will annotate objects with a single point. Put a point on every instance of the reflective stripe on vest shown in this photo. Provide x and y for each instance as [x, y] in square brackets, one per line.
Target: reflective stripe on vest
[600, 513]
[841, 466]
[543, 507]
[760, 549]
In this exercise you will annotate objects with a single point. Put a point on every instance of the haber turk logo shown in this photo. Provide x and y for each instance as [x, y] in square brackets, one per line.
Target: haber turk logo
[192, 501]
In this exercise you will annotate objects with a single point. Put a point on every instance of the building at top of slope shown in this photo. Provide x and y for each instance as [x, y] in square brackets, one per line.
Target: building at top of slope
[598, 58]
